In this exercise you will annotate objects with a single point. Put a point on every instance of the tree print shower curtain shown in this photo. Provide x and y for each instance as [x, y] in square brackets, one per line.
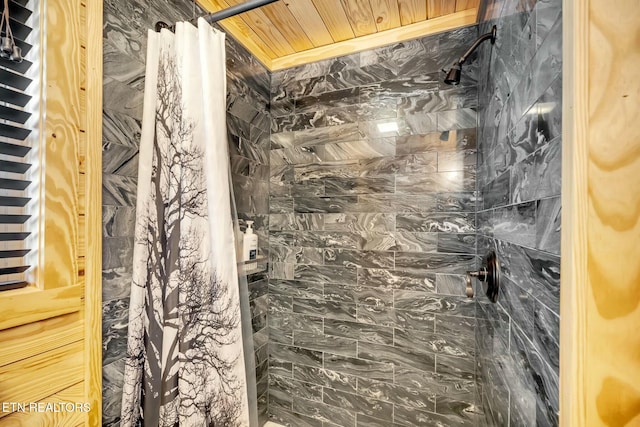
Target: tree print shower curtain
[185, 362]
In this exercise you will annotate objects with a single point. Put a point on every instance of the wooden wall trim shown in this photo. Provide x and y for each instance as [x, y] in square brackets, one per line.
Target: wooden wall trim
[574, 213]
[93, 217]
[600, 281]
[27, 307]
[382, 38]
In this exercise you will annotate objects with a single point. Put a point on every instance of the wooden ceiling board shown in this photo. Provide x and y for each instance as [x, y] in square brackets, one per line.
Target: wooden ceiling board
[382, 38]
[412, 11]
[466, 4]
[282, 19]
[269, 34]
[440, 7]
[288, 33]
[360, 16]
[237, 27]
[386, 14]
[335, 19]
[310, 20]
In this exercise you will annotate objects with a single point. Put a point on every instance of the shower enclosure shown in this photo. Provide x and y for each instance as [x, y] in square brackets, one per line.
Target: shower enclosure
[374, 187]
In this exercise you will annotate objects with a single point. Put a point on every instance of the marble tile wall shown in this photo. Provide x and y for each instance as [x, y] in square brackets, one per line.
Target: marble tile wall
[371, 228]
[519, 158]
[125, 28]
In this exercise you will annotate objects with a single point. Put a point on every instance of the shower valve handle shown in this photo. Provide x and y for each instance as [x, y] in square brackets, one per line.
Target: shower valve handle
[481, 275]
[488, 275]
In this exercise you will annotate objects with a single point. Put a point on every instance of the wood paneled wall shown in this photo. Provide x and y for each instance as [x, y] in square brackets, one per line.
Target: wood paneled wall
[600, 300]
[50, 333]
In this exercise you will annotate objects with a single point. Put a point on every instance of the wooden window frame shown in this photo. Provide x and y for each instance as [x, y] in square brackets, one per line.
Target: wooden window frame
[67, 292]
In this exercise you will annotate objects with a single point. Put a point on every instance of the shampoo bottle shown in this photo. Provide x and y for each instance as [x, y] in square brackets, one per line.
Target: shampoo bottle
[250, 247]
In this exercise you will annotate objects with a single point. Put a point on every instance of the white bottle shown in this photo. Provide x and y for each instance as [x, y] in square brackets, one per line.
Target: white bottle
[250, 247]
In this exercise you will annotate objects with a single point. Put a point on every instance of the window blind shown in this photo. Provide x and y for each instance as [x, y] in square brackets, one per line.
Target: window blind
[16, 86]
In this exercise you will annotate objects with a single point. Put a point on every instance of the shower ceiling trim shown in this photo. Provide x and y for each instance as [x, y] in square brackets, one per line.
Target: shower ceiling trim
[289, 33]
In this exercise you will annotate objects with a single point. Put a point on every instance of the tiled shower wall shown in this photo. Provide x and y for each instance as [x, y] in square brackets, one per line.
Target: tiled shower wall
[519, 146]
[372, 226]
[125, 27]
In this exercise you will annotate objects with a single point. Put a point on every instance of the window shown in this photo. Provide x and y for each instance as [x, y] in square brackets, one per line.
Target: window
[20, 76]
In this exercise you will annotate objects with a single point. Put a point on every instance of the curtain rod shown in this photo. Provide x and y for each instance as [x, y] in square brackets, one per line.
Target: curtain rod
[222, 14]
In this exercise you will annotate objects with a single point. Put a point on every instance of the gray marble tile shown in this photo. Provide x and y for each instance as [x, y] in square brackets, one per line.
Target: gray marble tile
[292, 419]
[402, 87]
[116, 282]
[441, 182]
[321, 342]
[324, 377]
[519, 304]
[398, 356]
[122, 98]
[391, 317]
[324, 412]
[280, 205]
[408, 279]
[112, 382]
[411, 416]
[456, 243]
[546, 335]
[458, 412]
[516, 223]
[538, 176]
[117, 252]
[118, 221]
[356, 150]
[328, 309]
[363, 259]
[367, 185]
[358, 367]
[459, 345]
[534, 271]
[120, 128]
[451, 284]
[359, 222]
[249, 168]
[548, 221]
[325, 274]
[115, 315]
[378, 297]
[119, 160]
[295, 355]
[441, 263]
[463, 118]
[433, 222]
[295, 288]
[291, 221]
[450, 140]
[416, 242]
[434, 202]
[367, 421]
[435, 383]
[334, 99]
[296, 388]
[498, 192]
[118, 190]
[359, 331]
[333, 204]
[352, 402]
[443, 304]
[280, 368]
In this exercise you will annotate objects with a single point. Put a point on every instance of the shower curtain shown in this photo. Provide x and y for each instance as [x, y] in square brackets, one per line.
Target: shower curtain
[185, 363]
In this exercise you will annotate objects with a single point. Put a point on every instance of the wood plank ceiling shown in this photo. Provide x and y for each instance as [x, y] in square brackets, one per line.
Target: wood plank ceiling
[294, 32]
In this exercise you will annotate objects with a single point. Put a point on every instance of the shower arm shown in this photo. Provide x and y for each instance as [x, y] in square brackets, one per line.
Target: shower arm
[488, 36]
[222, 14]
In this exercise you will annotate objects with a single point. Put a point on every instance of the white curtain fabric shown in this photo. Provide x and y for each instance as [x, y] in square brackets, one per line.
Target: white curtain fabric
[185, 363]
